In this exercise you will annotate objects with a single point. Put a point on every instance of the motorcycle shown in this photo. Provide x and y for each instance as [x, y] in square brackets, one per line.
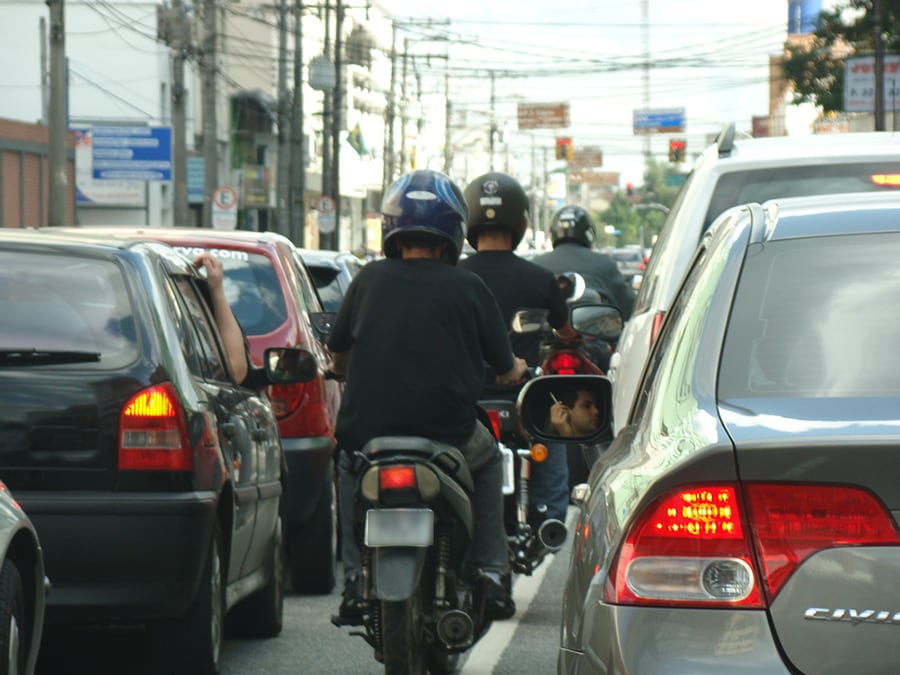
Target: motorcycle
[413, 520]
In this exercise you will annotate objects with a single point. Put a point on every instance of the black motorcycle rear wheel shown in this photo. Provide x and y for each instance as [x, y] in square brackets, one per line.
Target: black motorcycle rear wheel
[403, 636]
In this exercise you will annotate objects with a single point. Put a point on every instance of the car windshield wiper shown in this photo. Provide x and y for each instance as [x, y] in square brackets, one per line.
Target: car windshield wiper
[39, 357]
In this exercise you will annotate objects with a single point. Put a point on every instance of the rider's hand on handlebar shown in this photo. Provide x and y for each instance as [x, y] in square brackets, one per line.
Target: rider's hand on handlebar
[515, 375]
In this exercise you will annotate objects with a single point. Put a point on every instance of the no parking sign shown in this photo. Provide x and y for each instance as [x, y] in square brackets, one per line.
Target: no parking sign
[224, 208]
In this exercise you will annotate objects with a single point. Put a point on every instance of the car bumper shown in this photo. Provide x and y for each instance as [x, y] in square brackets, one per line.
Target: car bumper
[121, 557]
[665, 641]
[308, 469]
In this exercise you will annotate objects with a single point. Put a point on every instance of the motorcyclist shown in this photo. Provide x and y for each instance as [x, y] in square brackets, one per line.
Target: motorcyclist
[572, 233]
[412, 337]
[497, 222]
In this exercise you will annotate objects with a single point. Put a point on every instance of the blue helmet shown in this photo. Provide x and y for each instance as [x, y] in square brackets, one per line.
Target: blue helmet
[425, 202]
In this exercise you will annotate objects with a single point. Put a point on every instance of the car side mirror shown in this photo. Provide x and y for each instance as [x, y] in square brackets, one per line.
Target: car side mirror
[600, 321]
[580, 393]
[288, 365]
[636, 281]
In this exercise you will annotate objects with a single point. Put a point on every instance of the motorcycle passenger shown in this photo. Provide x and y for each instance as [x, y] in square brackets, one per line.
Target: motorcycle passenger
[412, 337]
[572, 233]
[498, 220]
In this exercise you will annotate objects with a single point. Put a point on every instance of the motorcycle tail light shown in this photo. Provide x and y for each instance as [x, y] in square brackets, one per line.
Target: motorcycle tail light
[399, 477]
[565, 363]
[286, 398]
[153, 432]
[494, 415]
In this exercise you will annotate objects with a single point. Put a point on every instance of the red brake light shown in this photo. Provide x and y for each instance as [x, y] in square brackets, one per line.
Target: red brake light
[495, 422]
[565, 363]
[688, 548]
[286, 398]
[792, 522]
[656, 327]
[153, 433]
[396, 477]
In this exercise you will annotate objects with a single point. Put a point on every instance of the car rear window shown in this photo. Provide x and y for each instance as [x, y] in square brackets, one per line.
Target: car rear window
[328, 286]
[816, 317]
[760, 185]
[58, 302]
[252, 288]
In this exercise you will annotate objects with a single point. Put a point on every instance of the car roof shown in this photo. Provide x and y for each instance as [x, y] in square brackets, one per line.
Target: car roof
[197, 235]
[320, 258]
[801, 149]
[836, 214]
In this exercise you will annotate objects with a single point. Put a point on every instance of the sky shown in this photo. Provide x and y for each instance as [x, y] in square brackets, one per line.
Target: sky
[709, 57]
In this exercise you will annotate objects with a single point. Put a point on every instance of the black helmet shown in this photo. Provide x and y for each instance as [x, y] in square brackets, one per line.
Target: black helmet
[496, 202]
[425, 202]
[572, 223]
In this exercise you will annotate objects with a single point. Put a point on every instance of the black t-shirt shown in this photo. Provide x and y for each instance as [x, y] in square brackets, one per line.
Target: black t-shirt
[519, 284]
[599, 271]
[419, 332]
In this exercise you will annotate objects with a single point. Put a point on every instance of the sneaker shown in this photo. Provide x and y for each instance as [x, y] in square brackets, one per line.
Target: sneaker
[352, 604]
[499, 604]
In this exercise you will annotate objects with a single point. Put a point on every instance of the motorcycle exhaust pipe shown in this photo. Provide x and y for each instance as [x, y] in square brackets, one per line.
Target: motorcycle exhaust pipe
[456, 629]
[552, 534]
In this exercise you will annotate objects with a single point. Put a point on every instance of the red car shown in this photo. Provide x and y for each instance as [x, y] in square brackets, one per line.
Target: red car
[276, 303]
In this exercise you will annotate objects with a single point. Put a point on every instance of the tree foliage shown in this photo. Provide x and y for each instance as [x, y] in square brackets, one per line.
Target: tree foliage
[815, 67]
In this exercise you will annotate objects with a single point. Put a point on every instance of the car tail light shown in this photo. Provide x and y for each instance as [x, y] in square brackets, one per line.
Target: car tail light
[286, 398]
[565, 363]
[888, 179]
[153, 432]
[688, 548]
[656, 326]
[494, 415]
[399, 477]
[792, 522]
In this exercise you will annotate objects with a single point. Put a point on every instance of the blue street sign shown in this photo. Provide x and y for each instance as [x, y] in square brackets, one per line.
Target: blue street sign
[662, 121]
[132, 153]
[196, 176]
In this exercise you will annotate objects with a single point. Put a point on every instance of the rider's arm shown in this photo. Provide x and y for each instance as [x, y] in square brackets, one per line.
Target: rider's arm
[338, 364]
[514, 374]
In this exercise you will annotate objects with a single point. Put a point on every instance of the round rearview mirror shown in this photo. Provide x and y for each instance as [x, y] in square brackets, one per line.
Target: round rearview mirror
[599, 321]
[528, 320]
[569, 408]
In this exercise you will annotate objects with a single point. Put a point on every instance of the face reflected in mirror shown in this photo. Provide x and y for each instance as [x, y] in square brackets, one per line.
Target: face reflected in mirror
[574, 413]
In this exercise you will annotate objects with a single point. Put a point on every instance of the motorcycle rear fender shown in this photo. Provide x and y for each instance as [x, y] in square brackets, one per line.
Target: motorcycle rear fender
[396, 572]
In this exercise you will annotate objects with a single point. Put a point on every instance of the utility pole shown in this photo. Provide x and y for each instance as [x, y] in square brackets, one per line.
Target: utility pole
[210, 142]
[493, 122]
[403, 107]
[282, 183]
[59, 180]
[878, 45]
[645, 22]
[297, 154]
[45, 71]
[179, 149]
[327, 189]
[390, 111]
[448, 109]
[331, 239]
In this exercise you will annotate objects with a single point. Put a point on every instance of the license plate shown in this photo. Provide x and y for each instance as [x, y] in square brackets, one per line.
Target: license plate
[399, 527]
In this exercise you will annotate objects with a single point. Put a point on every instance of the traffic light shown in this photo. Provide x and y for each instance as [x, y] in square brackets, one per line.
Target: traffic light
[629, 190]
[677, 148]
[564, 148]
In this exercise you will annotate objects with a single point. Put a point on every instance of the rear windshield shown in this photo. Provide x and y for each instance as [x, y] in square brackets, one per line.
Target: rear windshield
[760, 185]
[62, 303]
[328, 286]
[627, 256]
[252, 288]
[816, 317]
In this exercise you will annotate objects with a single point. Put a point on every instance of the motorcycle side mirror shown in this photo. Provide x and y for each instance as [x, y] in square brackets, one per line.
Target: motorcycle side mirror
[583, 408]
[528, 320]
[600, 321]
[289, 365]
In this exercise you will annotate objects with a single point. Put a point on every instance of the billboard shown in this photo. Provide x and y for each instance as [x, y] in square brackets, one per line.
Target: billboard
[859, 83]
[659, 121]
[132, 153]
[90, 192]
[543, 115]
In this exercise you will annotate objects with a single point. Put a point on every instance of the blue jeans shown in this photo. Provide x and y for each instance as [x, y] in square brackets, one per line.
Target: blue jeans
[488, 549]
[550, 483]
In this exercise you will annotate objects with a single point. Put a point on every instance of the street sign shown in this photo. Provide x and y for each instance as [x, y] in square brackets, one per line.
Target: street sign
[322, 75]
[593, 177]
[325, 204]
[196, 175]
[224, 208]
[659, 121]
[588, 157]
[132, 153]
[543, 115]
[325, 207]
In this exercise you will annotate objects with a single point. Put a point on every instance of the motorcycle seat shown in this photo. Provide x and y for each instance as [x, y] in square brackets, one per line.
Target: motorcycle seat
[445, 456]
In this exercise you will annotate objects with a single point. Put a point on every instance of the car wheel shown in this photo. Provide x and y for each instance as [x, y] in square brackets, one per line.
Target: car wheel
[313, 547]
[13, 626]
[261, 614]
[192, 644]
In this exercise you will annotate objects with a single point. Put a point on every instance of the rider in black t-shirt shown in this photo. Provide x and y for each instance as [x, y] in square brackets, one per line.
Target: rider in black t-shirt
[498, 220]
[412, 336]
